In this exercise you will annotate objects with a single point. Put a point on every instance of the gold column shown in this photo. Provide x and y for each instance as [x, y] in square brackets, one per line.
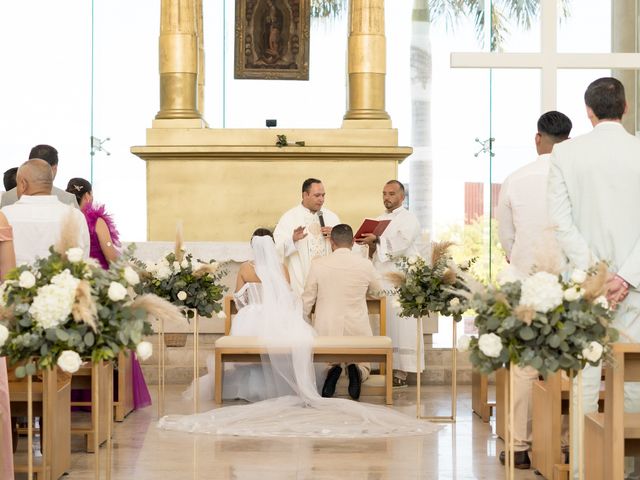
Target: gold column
[178, 60]
[200, 33]
[367, 62]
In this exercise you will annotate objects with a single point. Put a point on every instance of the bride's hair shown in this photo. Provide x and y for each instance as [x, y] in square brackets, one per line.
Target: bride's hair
[262, 232]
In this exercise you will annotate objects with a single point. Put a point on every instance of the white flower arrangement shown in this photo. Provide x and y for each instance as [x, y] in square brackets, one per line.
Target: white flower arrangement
[63, 311]
[544, 322]
[186, 282]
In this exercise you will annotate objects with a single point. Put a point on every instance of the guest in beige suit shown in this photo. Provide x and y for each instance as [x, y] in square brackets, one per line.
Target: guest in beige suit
[337, 285]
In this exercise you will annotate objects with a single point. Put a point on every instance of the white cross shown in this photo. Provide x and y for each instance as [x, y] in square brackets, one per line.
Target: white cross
[548, 60]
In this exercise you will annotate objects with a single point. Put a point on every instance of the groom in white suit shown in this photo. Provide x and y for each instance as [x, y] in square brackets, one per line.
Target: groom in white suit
[594, 188]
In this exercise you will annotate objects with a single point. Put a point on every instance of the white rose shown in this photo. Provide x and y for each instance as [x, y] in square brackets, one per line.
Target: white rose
[572, 294]
[116, 292]
[222, 315]
[463, 343]
[578, 276]
[454, 302]
[412, 260]
[74, 255]
[163, 272]
[182, 295]
[602, 301]
[542, 291]
[144, 350]
[4, 334]
[176, 265]
[213, 267]
[184, 263]
[69, 361]
[26, 279]
[151, 267]
[131, 276]
[490, 344]
[592, 352]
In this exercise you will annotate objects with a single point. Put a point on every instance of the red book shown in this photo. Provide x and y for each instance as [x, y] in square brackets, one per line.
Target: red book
[377, 227]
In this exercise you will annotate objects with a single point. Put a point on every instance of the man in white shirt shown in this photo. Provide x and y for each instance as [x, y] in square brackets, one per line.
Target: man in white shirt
[527, 237]
[302, 233]
[49, 155]
[338, 285]
[38, 217]
[593, 192]
[400, 238]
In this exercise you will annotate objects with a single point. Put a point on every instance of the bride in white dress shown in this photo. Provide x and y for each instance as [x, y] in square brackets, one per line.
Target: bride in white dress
[269, 309]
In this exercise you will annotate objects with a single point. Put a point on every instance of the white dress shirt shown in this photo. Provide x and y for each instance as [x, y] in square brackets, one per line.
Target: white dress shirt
[524, 228]
[37, 223]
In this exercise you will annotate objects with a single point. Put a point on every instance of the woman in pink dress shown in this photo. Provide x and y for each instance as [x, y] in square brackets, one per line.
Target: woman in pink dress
[104, 242]
[7, 262]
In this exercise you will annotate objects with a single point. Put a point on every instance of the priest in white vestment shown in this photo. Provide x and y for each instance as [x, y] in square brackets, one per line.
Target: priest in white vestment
[302, 233]
[593, 193]
[527, 237]
[401, 238]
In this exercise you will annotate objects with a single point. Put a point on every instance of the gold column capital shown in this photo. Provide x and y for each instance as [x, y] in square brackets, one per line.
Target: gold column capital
[367, 64]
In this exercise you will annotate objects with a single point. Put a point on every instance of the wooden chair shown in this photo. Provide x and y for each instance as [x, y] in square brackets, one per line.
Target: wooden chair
[611, 435]
[51, 402]
[82, 379]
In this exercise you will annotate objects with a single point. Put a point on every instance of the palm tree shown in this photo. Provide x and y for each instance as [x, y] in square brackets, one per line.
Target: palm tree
[424, 13]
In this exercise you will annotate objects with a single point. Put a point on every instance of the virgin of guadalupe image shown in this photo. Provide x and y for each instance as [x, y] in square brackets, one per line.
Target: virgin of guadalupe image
[272, 42]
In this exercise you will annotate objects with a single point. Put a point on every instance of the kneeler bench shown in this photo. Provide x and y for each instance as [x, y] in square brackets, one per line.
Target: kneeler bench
[351, 349]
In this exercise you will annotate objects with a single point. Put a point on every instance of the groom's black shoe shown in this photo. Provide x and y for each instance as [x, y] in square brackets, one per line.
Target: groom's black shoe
[355, 381]
[520, 460]
[329, 387]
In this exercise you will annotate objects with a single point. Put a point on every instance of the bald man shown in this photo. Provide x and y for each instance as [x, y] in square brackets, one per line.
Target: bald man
[38, 217]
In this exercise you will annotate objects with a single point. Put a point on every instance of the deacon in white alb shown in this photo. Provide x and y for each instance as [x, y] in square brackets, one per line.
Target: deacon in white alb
[302, 233]
[401, 237]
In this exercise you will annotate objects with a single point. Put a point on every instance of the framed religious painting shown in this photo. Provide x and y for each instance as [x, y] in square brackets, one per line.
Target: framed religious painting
[272, 39]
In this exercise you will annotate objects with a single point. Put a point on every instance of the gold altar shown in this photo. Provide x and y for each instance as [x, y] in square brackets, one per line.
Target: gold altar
[223, 183]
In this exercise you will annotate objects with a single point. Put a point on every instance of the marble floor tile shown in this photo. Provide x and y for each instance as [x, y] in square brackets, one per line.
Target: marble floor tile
[465, 450]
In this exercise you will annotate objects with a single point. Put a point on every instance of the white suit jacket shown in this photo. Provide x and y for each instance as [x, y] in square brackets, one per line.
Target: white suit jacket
[593, 197]
[523, 219]
[338, 284]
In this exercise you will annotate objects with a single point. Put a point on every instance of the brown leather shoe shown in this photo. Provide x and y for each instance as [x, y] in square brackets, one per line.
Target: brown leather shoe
[520, 460]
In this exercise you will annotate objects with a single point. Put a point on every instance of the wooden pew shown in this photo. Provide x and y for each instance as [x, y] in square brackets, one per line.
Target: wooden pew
[326, 349]
[82, 379]
[611, 435]
[123, 401]
[480, 404]
[550, 403]
[51, 402]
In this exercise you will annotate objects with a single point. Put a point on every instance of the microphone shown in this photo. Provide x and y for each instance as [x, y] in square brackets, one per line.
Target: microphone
[321, 220]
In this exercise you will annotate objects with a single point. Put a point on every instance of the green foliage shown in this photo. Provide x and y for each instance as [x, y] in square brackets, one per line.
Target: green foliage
[430, 287]
[114, 326]
[200, 281]
[550, 341]
[473, 240]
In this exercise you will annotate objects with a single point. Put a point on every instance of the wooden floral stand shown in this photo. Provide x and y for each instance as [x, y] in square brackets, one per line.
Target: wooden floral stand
[49, 400]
